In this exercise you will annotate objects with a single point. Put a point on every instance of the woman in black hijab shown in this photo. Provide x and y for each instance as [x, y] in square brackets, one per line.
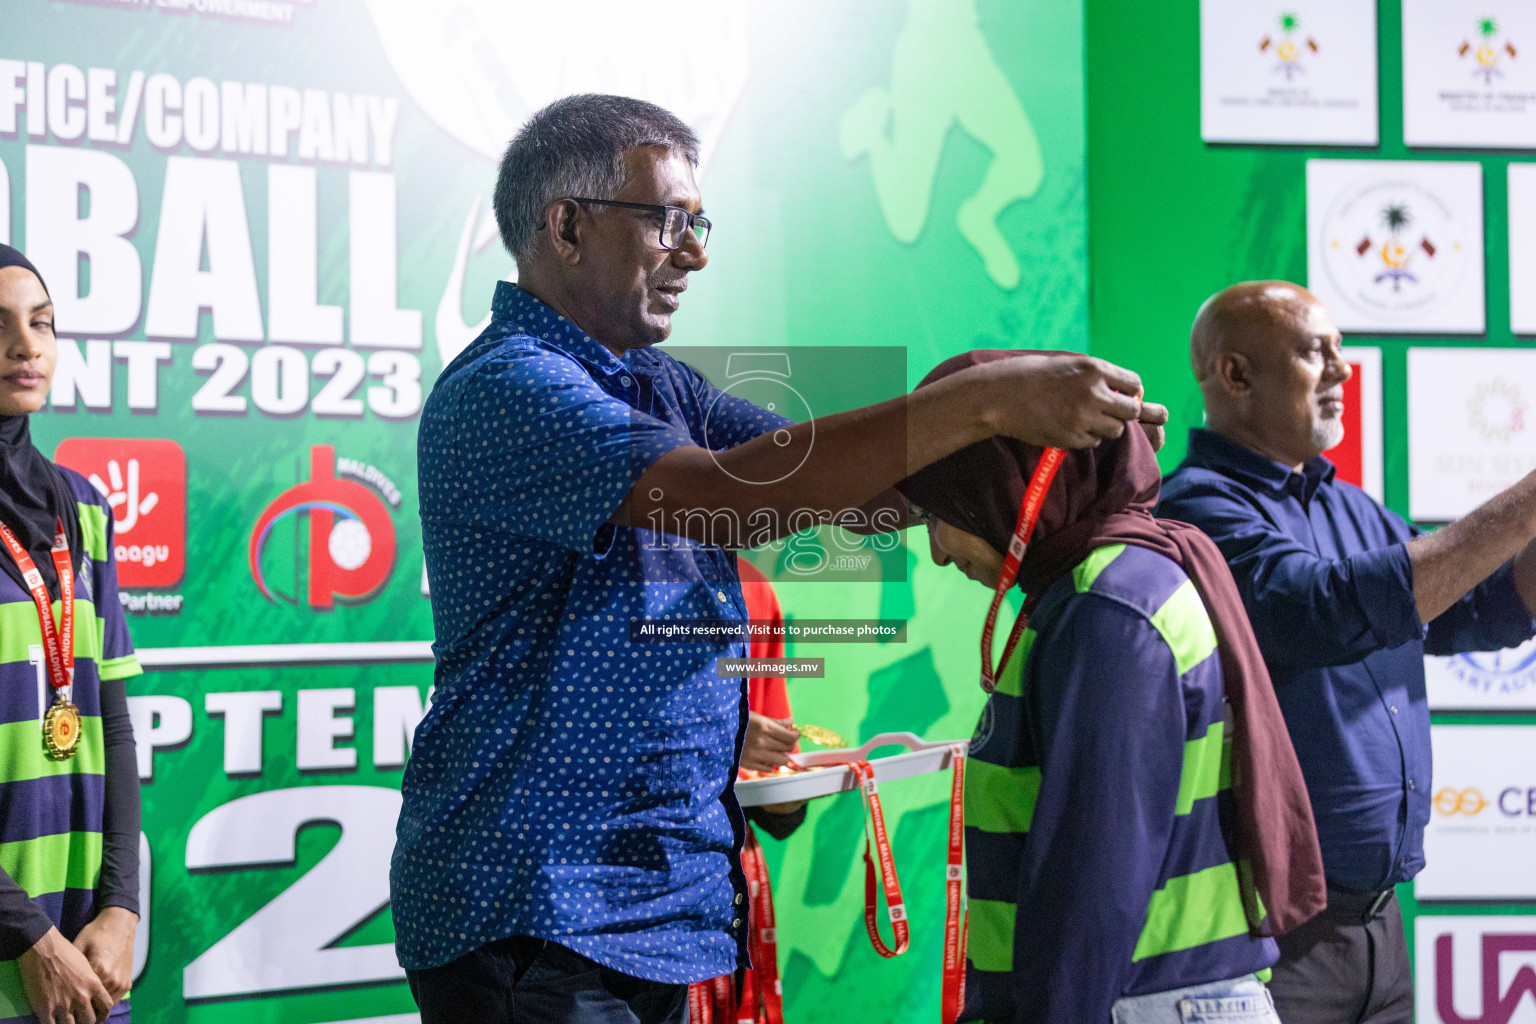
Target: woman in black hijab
[69, 786]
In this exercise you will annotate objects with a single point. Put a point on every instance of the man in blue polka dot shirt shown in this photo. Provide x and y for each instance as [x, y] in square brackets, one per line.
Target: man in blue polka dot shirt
[568, 845]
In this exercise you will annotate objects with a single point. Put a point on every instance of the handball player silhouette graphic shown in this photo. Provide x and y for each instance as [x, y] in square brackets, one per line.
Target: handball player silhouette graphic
[941, 72]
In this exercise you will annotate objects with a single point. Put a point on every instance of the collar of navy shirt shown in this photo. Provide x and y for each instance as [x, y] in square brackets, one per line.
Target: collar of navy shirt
[1212, 450]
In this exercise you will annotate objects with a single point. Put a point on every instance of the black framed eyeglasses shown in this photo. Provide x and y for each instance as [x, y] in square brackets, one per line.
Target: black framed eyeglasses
[675, 221]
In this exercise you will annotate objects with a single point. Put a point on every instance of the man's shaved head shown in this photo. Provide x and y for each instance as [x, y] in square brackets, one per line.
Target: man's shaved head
[1266, 354]
[1237, 318]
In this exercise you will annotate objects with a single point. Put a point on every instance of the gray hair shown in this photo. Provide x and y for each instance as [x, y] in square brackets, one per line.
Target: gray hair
[575, 147]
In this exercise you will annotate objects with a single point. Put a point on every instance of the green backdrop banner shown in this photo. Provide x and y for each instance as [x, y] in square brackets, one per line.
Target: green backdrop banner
[266, 227]
[1174, 219]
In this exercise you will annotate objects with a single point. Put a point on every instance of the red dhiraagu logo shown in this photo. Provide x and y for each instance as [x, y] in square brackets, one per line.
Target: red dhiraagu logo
[351, 537]
[145, 484]
[1489, 48]
[1503, 991]
[1291, 47]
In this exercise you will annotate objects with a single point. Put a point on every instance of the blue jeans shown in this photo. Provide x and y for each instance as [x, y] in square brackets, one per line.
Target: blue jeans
[1242, 1000]
[522, 980]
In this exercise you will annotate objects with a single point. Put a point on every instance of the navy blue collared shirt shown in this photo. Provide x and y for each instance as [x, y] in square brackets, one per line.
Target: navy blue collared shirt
[566, 783]
[1324, 573]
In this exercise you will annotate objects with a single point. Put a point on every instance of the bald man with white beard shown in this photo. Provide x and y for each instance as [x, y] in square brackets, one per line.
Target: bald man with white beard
[1345, 598]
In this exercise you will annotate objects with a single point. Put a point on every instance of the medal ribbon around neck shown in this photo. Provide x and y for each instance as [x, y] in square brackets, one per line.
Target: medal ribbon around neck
[61, 724]
[1029, 514]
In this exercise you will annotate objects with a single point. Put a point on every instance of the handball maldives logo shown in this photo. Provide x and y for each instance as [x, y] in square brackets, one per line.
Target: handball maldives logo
[1393, 246]
[1486, 53]
[351, 538]
[1289, 47]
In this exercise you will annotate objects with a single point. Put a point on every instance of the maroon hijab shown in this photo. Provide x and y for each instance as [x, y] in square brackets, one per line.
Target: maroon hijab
[1104, 496]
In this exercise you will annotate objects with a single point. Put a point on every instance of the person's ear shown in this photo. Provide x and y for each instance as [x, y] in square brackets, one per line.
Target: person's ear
[566, 229]
[1235, 373]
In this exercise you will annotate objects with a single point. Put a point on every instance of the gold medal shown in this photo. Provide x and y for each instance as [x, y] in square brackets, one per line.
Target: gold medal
[822, 737]
[61, 730]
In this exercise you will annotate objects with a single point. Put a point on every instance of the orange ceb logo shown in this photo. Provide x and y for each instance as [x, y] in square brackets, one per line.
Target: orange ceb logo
[1460, 801]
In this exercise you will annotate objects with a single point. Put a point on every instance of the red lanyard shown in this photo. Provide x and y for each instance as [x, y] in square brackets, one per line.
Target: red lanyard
[762, 996]
[953, 994]
[761, 986]
[701, 1009]
[58, 641]
[953, 998]
[761, 1000]
[1029, 513]
[876, 835]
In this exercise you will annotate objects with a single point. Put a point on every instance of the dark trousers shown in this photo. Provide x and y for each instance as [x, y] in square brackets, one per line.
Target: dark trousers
[1348, 965]
[530, 981]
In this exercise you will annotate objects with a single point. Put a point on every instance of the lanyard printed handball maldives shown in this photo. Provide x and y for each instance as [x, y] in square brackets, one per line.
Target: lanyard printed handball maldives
[762, 1001]
[61, 723]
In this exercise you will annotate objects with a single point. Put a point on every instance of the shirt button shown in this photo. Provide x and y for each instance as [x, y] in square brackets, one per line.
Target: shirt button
[720, 594]
[625, 381]
[736, 923]
[738, 899]
[1394, 709]
[1411, 784]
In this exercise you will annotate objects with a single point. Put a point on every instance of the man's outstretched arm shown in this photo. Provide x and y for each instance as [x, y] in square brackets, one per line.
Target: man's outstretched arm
[841, 461]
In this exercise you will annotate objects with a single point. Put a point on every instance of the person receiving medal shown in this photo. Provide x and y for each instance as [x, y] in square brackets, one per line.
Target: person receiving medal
[69, 783]
[1137, 826]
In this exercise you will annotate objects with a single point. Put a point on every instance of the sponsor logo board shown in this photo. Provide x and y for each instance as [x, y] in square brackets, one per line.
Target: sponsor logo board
[1488, 681]
[1468, 79]
[145, 484]
[1481, 839]
[1301, 73]
[1522, 248]
[1475, 969]
[1470, 433]
[1396, 245]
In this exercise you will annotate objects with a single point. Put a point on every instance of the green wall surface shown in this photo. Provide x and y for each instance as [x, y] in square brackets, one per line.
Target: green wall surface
[1172, 219]
[874, 185]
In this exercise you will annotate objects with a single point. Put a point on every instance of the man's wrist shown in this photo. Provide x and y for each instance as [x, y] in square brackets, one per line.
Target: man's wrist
[971, 391]
[118, 918]
[50, 944]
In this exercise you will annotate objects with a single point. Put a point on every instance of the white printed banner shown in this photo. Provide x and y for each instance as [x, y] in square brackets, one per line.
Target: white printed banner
[1481, 839]
[1469, 73]
[1469, 429]
[1475, 969]
[1396, 245]
[1522, 248]
[1491, 681]
[1295, 73]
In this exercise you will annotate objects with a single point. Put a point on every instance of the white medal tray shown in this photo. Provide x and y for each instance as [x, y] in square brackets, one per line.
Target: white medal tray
[921, 758]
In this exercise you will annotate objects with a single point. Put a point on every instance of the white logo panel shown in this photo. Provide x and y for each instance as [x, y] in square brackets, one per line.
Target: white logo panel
[1397, 245]
[1468, 79]
[1301, 73]
[1475, 970]
[1489, 681]
[1470, 430]
[1481, 839]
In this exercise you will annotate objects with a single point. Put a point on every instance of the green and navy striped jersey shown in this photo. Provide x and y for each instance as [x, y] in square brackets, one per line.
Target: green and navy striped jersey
[1097, 804]
[51, 811]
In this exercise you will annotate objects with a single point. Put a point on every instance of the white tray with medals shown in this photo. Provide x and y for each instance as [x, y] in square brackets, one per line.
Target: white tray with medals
[825, 772]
